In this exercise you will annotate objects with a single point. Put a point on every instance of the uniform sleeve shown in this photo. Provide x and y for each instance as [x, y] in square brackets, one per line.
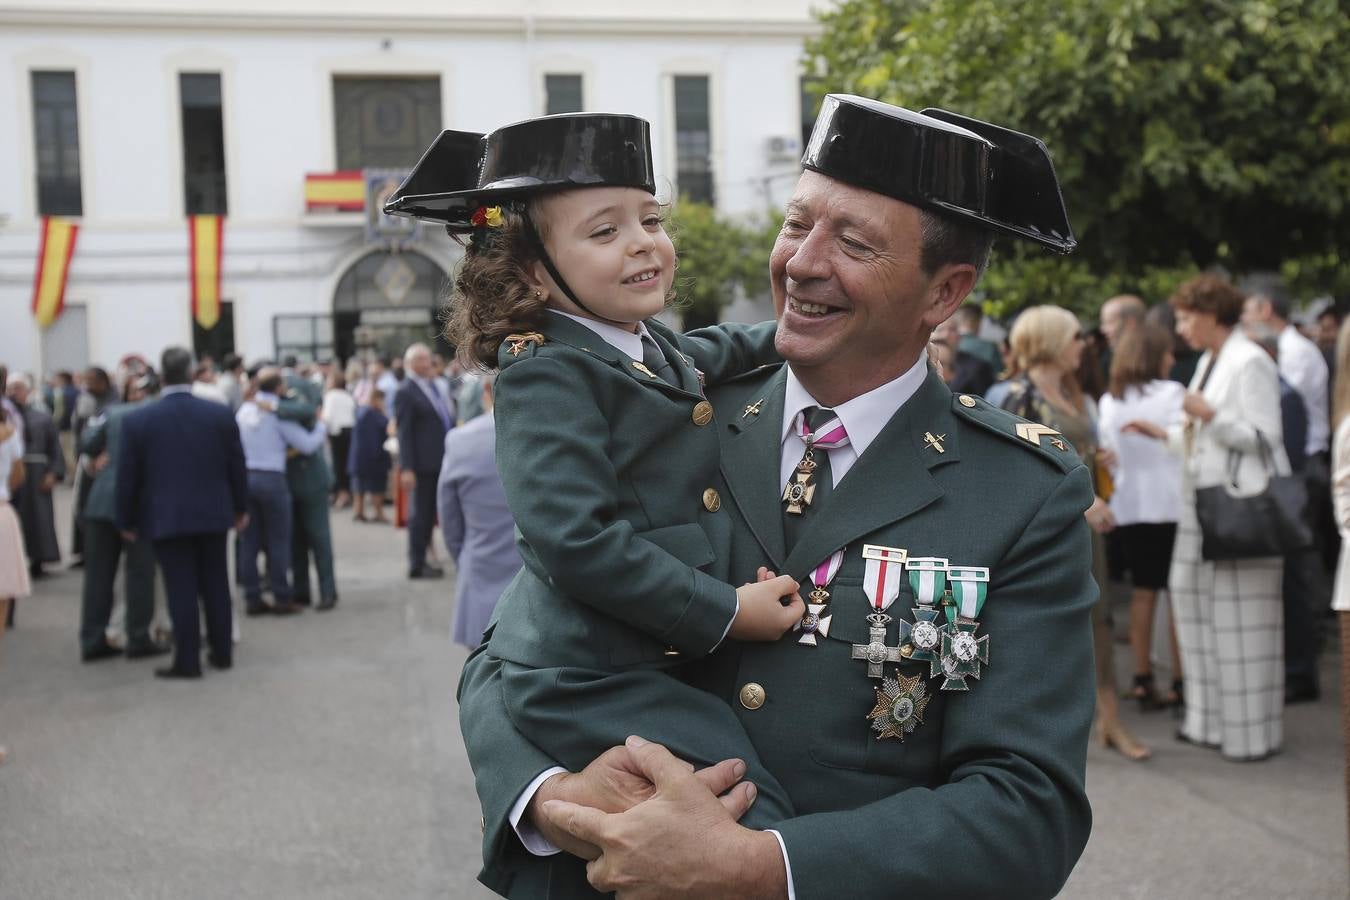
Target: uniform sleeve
[407, 442]
[724, 351]
[1012, 816]
[562, 489]
[294, 407]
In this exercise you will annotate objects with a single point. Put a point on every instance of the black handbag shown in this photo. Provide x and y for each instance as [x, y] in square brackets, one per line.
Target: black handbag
[1271, 523]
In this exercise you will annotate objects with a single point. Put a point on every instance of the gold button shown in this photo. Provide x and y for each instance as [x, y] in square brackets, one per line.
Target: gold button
[702, 412]
[752, 696]
[712, 501]
[966, 400]
[671, 651]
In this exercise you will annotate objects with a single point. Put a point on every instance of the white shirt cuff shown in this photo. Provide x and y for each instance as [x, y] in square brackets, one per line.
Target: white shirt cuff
[726, 631]
[787, 864]
[528, 834]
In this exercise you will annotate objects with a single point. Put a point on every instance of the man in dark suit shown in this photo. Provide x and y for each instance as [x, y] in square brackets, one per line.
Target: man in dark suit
[181, 485]
[424, 415]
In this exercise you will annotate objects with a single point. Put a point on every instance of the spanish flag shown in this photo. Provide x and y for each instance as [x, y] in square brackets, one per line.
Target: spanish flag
[53, 267]
[205, 234]
[343, 191]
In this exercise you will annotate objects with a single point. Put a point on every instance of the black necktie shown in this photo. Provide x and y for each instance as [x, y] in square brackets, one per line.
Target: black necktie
[821, 477]
[655, 360]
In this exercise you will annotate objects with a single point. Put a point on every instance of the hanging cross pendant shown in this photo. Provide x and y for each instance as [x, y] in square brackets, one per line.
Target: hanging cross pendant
[875, 650]
[801, 489]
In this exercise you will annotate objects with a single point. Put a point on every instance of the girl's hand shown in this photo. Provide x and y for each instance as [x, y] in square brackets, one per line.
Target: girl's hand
[762, 615]
[1146, 428]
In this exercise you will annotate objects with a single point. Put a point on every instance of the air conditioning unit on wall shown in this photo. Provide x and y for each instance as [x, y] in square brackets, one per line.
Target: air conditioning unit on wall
[783, 148]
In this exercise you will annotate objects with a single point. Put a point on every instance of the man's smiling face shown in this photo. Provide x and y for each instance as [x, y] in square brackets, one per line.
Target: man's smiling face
[848, 289]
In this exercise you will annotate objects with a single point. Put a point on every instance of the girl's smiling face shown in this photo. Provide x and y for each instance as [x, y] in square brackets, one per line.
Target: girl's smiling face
[610, 246]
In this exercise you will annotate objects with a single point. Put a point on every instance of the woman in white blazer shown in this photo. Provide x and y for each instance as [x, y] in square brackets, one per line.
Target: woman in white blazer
[1229, 615]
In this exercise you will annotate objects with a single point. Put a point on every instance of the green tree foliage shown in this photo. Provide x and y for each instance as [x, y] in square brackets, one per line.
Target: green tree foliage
[1186, 133]
[718, 256]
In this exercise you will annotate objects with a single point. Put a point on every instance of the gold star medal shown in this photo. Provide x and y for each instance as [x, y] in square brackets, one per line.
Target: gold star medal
[900, 705]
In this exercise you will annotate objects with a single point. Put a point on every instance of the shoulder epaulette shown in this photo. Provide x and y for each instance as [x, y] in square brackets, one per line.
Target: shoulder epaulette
[1040, 439]
[516, 345]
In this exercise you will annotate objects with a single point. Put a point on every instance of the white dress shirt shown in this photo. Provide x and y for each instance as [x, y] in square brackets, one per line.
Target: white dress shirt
[863, 418]
[1302, 365]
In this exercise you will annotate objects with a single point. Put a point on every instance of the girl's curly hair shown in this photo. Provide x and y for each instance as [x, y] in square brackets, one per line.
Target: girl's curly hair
[491, 296]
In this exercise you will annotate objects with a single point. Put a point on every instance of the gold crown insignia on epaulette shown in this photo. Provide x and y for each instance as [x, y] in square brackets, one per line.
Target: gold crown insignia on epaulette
[516, 343]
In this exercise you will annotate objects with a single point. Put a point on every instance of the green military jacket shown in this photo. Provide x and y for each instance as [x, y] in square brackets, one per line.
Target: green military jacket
[97, 438]
[985, 797]
[606, 468]
[306, 475]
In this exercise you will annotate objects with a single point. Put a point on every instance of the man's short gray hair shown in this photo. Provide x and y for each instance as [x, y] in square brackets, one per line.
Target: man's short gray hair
[947, 240]
[1268, 338]
[413, 350]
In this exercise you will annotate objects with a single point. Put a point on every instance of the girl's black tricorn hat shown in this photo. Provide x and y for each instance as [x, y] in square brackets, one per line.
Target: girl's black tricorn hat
[980, 173]
[462, 170]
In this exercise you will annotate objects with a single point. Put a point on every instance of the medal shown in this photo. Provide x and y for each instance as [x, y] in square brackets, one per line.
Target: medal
[881, 584]
[816, 621]
[900, 705]
[962, 652]
[928, 579]
[801, 489]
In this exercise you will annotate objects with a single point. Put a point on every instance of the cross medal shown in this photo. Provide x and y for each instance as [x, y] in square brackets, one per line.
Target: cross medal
[801, 489]
[816, 620]
[875, 650]
[881, 584]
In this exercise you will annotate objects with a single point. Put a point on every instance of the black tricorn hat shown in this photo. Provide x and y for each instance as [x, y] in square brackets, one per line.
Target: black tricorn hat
[530, 157]
[989, 176]
[451, 160]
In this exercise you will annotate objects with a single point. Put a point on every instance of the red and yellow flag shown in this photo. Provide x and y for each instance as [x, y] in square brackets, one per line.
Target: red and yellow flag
[343, 191]
[53, 267]
[205, 235]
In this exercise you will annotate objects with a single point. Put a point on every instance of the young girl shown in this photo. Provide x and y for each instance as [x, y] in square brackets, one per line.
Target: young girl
[606, 447]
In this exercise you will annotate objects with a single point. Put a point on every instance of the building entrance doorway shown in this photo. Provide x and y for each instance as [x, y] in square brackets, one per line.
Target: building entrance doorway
[386, 301]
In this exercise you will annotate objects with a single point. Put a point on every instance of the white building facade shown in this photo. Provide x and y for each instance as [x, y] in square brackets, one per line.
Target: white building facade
[130, 116]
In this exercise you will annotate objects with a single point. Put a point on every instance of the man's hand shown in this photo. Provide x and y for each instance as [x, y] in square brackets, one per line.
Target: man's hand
[683, 842]
[614, 783]
[241, 522]
[129, 537]
[100, 462]
[48, 482]
[408, 479]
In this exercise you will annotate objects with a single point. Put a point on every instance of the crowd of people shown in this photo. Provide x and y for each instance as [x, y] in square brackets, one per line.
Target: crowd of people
[310, 439]
[1217, 385]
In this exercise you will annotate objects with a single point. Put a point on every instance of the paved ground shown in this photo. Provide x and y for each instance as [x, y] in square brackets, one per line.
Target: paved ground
[328, 764]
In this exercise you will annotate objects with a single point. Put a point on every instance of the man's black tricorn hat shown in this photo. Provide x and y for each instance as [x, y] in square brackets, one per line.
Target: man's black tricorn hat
[462, 170]
[979, 173]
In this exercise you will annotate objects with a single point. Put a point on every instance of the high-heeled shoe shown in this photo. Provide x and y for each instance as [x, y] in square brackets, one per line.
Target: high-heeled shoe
[1176, 698]
[1145, 692]
[1115, 736]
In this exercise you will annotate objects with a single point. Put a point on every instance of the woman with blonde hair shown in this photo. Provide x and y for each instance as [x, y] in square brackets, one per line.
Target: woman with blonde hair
[1047, 348]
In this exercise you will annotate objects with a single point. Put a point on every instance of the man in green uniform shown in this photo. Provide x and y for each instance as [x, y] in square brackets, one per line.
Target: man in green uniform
[101, 441]
[309, 479]
[929, 716]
